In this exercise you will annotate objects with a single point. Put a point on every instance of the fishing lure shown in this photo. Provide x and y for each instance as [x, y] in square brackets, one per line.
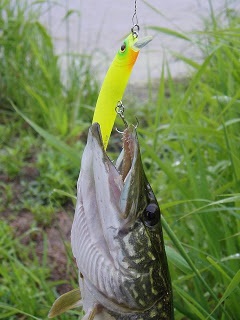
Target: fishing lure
[115, 82]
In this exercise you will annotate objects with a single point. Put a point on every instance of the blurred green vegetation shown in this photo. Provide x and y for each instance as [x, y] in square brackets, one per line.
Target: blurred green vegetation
[189, 135]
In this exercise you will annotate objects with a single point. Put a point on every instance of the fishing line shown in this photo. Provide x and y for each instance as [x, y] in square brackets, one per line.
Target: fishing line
[135, 28]
[134, 17]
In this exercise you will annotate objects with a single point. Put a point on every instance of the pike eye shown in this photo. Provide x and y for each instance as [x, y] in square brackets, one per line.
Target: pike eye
[123, 47]
[151, 215]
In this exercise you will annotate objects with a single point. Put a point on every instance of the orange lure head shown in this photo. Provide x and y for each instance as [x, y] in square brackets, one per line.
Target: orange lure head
[129, 50]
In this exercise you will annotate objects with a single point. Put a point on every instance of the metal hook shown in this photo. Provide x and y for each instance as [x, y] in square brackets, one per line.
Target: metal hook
[118, 131]
[136, 126]
[120, 111]
[135, 32]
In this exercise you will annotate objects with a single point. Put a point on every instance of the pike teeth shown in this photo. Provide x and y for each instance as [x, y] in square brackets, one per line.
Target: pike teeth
[125, 159]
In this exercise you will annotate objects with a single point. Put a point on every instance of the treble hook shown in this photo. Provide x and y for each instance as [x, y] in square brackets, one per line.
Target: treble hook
[120, 111]
[137, 124]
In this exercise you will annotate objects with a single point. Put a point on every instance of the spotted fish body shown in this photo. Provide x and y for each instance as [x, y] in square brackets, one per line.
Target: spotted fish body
[117, 236]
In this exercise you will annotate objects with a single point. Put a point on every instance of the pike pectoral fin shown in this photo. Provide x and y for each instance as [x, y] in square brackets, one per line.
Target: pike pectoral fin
[67, 301]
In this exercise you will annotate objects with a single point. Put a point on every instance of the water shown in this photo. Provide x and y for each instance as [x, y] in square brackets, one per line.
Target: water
[99, 26]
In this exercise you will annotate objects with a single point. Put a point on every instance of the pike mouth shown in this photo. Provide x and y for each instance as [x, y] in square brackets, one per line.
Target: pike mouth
[128, 155]
[129, 151]
[126, 179]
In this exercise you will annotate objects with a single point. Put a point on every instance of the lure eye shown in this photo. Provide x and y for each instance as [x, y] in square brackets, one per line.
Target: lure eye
[123, 47]
[151, 215]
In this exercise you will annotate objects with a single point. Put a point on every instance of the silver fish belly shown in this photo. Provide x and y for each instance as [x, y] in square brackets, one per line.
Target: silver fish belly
[117, 236]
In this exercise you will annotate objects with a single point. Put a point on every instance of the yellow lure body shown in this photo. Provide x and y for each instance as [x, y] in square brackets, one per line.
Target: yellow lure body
[113, 87]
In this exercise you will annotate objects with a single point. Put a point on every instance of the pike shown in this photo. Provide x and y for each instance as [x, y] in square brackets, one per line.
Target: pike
[117, 238]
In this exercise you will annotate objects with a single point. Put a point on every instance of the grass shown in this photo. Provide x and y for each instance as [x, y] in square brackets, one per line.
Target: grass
[25, 293]
[189, 136]
[29, 63]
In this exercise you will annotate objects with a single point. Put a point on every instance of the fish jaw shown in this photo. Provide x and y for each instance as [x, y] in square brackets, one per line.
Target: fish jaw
[122, 186]
[133, 195]
[122, 267]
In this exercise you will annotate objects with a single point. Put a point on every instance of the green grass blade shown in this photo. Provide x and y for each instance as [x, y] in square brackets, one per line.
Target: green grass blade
[195, 308]
[185, 256]
[52, 140]
[176, 259]
[170, 32]
[4, 306]
[233, 285]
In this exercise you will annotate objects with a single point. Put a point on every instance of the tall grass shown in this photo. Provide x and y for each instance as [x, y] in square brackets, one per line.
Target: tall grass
[190, 145]
[25, 291]
[199, 173]
[28, 62]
